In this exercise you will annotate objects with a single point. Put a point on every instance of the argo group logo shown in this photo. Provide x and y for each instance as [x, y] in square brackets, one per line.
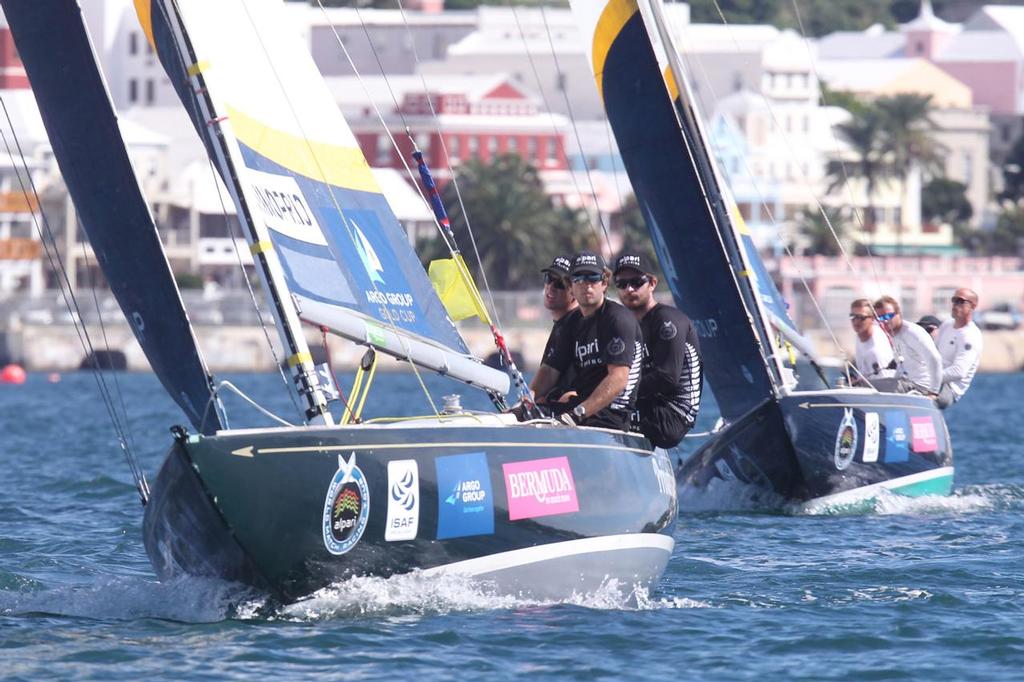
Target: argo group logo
[540, 487]
[346, 508]
[465, 502]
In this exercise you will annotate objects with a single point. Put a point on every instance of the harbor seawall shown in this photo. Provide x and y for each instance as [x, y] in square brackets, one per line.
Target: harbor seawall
[243, 348]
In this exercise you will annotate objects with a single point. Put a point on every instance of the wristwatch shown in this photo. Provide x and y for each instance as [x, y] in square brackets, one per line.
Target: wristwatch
[579, 411]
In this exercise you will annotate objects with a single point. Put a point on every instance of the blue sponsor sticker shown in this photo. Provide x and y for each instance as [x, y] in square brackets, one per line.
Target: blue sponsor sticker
[465, 501]
[897, 437]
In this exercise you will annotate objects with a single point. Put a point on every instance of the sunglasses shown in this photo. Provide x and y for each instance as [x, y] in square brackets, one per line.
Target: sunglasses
[555, 282]
[885, 317]
[860, 318]
[589, 278]
[632, 283]
[960, 301]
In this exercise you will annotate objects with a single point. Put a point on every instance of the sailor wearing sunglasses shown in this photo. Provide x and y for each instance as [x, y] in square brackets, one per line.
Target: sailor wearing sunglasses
[918, 364]
[602, 346]
[671, 377]
[873, 355]
[561, 304]
[959, 343]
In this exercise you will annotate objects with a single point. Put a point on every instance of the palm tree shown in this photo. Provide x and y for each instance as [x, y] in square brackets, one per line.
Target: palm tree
[909, 132]
[814, 226]
[866, 135]
[516, 226]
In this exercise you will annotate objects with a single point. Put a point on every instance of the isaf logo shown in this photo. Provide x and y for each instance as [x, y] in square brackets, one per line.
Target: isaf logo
[403, 500]
[346, 507]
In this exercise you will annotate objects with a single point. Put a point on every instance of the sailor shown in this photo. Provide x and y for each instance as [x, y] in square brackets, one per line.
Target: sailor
[671, 374]
[918, 365]
[959, 341]
[873, 356]
[930, 324]
[562, 306]
[602, 346]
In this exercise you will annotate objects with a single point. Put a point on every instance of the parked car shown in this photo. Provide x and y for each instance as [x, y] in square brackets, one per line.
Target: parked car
[999, 316]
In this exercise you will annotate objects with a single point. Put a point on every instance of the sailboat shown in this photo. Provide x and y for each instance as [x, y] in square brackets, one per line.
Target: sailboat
[828, 449]
[537, 508]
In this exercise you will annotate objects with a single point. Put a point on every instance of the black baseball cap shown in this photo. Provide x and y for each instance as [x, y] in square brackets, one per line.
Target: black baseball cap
[587, 261]
[929, 322]
[559, 266]
[634, 261]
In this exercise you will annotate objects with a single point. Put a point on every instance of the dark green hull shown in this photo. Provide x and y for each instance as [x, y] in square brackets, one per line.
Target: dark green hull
[537, 509]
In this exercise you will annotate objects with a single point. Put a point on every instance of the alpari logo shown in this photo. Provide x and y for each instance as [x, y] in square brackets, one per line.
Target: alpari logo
[846, 440]
[346, 507]
[467, 492]
[584, 351]
[367, 254]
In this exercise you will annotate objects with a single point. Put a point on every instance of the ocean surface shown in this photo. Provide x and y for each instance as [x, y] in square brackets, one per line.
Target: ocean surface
[923, 589]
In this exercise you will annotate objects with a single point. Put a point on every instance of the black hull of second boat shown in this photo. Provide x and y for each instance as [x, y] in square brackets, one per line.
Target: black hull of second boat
[828, 451]
[544, 511]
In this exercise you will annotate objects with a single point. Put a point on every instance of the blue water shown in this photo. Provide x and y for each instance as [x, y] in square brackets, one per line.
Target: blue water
[917, 589]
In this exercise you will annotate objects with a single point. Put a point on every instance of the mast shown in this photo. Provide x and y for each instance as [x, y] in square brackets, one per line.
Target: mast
[299, 358]
[698, 146]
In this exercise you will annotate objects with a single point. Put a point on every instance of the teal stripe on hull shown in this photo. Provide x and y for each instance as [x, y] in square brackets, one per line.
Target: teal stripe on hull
[940, 485]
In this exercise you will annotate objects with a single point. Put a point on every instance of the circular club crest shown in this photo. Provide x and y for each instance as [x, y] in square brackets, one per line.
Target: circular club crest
[346, 508]
[846, 441]
[617, 346]
[667, 331]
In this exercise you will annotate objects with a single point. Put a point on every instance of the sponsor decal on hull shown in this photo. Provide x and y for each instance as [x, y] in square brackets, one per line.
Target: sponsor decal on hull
[871, 436]
[540, 487]
[897, 436]
[465, 502]
[923, 436]
[403, 500]
[346, 508]
[846, 440]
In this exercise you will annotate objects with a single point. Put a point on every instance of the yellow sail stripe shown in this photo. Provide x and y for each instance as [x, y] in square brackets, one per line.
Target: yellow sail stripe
[144, 10]
[261, 246]
[197, 68]
[299, 359]
[344, 167]
[670, 82]
[613, 17]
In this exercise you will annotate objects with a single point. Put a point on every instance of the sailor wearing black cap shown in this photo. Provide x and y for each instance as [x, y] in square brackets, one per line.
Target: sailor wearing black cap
[601, 345]
[561, 304]
[672, 376]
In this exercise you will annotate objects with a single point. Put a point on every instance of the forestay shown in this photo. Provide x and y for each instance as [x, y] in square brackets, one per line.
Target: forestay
[301, 179]
[83, 130]
[686, 212]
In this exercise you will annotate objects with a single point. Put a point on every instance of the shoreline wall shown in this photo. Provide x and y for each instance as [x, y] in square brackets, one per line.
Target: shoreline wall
[238, 348]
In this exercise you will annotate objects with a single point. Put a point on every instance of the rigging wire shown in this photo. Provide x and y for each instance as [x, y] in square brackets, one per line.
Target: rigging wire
[575, 128]
[554, 127]
[252, 294]
[334, 199]
[49, 243]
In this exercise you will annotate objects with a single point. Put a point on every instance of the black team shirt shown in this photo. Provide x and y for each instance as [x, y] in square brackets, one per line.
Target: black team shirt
[587, 345]
[672, 371]
[559, 328]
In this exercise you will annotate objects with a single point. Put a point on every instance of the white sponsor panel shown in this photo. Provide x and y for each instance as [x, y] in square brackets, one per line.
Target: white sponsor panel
[281, 205]
[403, 500]
[871, 436]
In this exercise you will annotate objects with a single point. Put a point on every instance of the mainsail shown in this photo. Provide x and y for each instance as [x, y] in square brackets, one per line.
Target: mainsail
[335, 253]
[80, 121]
[682, 200]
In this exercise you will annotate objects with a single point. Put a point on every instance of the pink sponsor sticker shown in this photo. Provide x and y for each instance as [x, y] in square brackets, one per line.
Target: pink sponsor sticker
[540, 487]
[923, 438]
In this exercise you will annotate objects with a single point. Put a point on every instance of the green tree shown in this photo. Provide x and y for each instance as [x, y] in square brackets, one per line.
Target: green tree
[818, 235]
[1013, 173]
[866, 135]
[945, 201]
[1007, 239]
[516, 226]
[635, 237]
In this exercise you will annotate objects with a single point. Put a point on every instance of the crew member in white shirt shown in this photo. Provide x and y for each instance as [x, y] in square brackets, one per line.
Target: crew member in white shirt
[959, 343]
[918, 365]
[873, 356]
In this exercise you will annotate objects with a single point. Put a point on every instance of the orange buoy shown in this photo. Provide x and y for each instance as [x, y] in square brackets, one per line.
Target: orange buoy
[12, 374]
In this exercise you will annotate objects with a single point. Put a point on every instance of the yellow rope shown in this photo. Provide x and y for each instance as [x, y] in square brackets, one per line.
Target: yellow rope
[366, 390]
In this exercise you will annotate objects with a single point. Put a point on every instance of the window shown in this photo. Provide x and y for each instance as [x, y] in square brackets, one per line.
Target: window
[383, 150]
[150, 91]
[492, 146]
[453, 147]
[968, 167]
[474, 147]
[512, 145]
[560, 82]
[133, 90]
[531, 148]
[940, 298]
[133, 43]
[552, 149]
